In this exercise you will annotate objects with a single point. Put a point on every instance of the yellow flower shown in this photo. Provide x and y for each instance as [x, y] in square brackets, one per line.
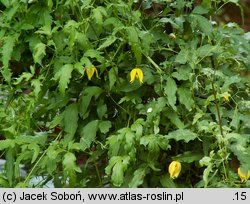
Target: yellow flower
[91, 71]
[136, 73]
[226, 96]
[174, 169]
[243, 176]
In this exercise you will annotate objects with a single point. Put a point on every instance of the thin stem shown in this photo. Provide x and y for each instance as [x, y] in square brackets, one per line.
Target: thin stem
[215, 98]
[98, 174]
[38, 161]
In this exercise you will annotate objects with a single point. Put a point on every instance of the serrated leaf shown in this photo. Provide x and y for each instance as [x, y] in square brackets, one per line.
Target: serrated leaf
[182, 134]
[170, 92]
[133, 39]
[173, 117]
[204, 24]
[167, 182]
[104, 126]
[36, 150]
[69, 162]
[56, 121]
[118, 165]
[101, 110]
[36, 84]
[88, 134]
[150, 141]
[182, 57]
[7, 49]
[63, 75]
[113, 73]
[70, 121]
[110, 40]
[4, 144]
[205, 50]
[188, 157]
[86, 96]
[91, 53]
[98, 14]
[114, 145]
[185, 97]
[182, 73]
[39, 53]
[138, 177]
[200, 10]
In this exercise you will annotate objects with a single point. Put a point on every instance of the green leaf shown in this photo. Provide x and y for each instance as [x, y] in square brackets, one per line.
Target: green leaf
[188, 157]
[4, 144]
[36, 150]
[63, 75]
[185, 97]
[94, 54]
[151, 142]
[170, 91]
[7, 49]
[183, 73]
[69, 162]
[174, 118]
[39, 53]
[134, 42]
[167, 182]
[118, 165]
[86, 96]
[109, 41]
[70, 122]
[56, 120]
[113, 73]
[138, 177]
[88, 134]
[101, 109]
[104, 126]
[36, 84]
[183, 56]
[98, 14]
[200, 10]
[114, 145]
[182, 134]
[204, 24]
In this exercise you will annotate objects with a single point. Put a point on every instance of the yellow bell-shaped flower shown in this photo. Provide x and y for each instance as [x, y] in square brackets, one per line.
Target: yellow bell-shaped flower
[174, 169]
[90, 72]
[243, 176]
[136, 73]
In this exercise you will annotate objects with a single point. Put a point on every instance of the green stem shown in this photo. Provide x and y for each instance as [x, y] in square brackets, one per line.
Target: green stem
[38, 161]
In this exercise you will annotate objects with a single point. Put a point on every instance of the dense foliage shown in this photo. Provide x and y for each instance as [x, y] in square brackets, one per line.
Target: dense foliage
[69, 113]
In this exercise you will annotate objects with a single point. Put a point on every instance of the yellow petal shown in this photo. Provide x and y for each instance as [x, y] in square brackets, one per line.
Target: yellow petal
[174, 169]
[90, 72]
[136, 73]
[243, 176]
[132, 75]
[226, 96]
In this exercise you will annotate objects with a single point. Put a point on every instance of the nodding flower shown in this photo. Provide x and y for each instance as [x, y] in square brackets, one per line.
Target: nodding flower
[136, 73]
[243, 176]
[174, 169]
[90, 72]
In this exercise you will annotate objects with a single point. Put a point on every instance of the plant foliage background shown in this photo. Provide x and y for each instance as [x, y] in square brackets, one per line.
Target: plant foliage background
[193, 107]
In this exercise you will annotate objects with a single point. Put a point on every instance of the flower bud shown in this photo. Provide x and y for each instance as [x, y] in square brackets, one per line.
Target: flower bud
[174, 169]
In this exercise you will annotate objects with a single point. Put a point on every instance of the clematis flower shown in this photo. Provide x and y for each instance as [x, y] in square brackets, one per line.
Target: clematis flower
[90, 72]
[174, 169]
[136, 73]
[226, 96]
[243, 176]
